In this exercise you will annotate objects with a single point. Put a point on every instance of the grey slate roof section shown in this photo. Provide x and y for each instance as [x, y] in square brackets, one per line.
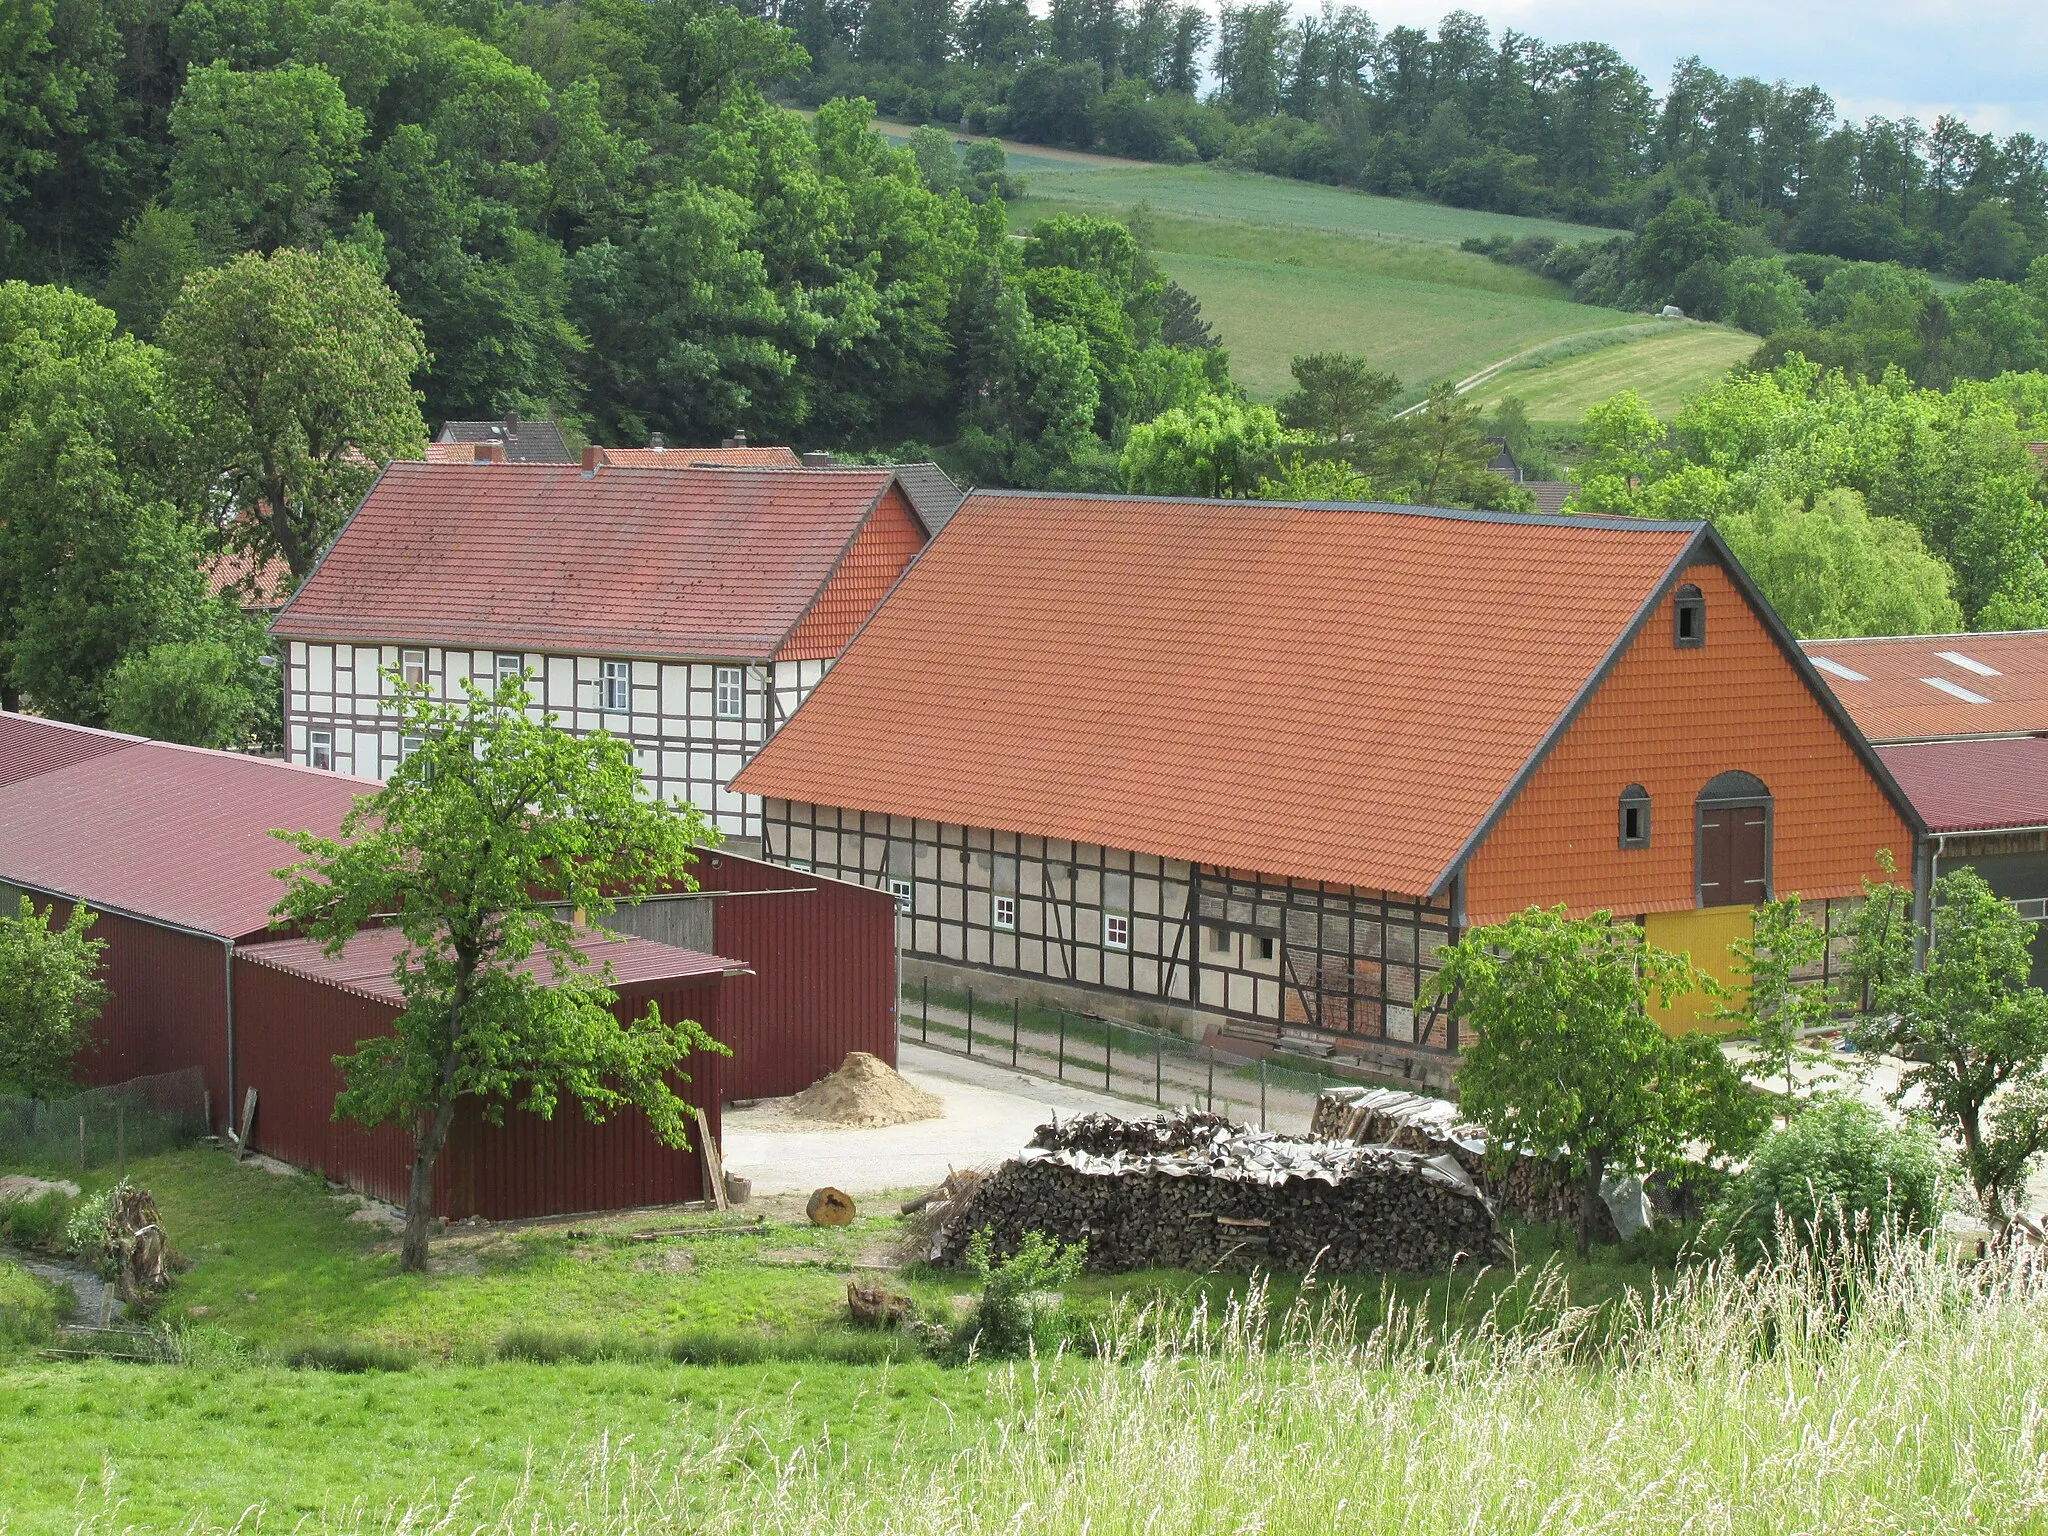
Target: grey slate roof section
[1550, 495]
[932, 493]
[531, 442]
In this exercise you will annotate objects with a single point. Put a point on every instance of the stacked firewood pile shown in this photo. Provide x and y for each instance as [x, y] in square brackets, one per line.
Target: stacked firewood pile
[1529, 1188]
[1194, 1191]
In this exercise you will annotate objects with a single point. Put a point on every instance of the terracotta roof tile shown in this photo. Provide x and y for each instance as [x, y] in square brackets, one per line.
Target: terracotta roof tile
[1974, 786]
[682, 458]
[635, 562]
[1923, 687]
[258, 586]
[366, 964]
[1326, 692]
[178, 834]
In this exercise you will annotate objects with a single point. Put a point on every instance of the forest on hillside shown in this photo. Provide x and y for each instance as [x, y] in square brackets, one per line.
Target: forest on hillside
[1504, 121]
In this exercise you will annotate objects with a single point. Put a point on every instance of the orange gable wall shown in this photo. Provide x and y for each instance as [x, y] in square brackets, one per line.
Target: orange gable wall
[886, 543]
[1671, 719]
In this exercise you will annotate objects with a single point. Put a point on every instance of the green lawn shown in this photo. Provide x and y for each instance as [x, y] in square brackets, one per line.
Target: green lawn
[1663, 369]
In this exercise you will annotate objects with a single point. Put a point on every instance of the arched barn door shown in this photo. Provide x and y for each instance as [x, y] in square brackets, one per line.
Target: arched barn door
[1733, 847]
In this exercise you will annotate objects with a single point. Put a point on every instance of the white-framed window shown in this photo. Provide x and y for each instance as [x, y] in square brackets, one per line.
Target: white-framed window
[510, 665]
[1004, 912]
[412, 668]
[729, 693]
[407, 745]
[320, 749]
[1116, 930]
[615, 691]
[902, 890]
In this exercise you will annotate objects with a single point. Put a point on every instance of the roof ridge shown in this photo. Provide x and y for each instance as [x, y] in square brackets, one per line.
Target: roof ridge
[1398, 508]
[1967, 634]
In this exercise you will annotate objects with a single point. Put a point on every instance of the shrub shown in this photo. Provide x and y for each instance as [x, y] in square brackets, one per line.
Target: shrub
[1837, 1170]
[1020, 1310]
[37, 1223]
[85, 1230]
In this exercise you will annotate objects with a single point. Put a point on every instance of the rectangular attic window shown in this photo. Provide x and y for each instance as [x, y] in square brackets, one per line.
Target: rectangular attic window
[1968, 663]
[412, 668]
[1836, 669]
[729, 700]
[1955, 690]
[320, 749]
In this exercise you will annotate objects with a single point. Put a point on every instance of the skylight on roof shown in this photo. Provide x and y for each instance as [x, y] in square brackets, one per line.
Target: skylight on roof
[1836, 669]
[1955, 690]
[1968, 664]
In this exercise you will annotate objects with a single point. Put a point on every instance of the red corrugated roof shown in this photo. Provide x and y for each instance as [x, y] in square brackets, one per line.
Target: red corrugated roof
[1924, 687]
[367, 964]
[1974, 786]
[1327, 692]
[31, 745]
[633, 562]
[682, 458]
[177, 834]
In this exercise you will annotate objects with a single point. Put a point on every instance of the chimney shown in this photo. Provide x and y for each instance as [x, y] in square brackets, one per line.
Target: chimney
[819, 461]
[592, 457]
[728, 443]
[739, 439]
[657, 442]
[490, 453]
[511, 424]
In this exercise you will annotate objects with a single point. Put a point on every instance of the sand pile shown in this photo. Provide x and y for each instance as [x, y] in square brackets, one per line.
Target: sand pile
[866, 1090]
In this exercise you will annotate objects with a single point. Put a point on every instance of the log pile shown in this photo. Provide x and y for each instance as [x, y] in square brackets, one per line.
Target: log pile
[1531, 1189]
[1194, 1191]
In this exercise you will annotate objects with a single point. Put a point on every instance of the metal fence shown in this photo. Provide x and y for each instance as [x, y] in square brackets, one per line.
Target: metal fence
[104, 1127]
[1106, 1055]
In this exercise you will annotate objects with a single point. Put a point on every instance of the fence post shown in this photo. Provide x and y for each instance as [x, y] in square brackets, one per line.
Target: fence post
[1262, 1093]
[1062, 1071]
[1013, 1031]
[121, 1135]
[970, 1021]
[81, 1143]
[924, 1028]
[1159, 1070]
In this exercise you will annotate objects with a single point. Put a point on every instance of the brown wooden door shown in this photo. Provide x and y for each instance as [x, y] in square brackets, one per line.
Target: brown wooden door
[1735, 855]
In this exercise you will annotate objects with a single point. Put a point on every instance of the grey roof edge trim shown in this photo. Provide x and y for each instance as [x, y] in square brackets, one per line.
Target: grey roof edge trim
[507, 641]
[333, 544]
[1568, 717]
[1972, 634]
[1402, 508]
[860, 527]
[1707, 540]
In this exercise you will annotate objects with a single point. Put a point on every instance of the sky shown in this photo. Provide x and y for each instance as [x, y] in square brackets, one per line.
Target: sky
[1986, 61]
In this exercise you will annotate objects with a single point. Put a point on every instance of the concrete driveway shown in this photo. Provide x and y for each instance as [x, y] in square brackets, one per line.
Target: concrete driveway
[990, 1113]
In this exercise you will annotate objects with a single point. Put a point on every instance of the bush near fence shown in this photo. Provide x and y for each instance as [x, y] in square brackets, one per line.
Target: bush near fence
[99, 1127]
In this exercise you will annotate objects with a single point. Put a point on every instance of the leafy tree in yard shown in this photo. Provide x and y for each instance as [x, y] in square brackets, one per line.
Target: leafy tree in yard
[1774, 1010]
[1565, 1060]
[1215, 448]
[1305, 479]
[1338, 396]
[1973, 1035]
[50, 993]
[1442, 456]
[297, 371]
[493, 824]
[205, 692]
[1833, 570]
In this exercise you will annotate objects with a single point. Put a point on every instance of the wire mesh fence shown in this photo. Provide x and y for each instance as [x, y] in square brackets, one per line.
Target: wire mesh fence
[104, 1127]
[1114, 1057]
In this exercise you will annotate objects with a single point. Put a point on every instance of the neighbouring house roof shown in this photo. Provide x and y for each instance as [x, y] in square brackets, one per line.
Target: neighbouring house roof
[2040, 453]
[366, 965]
[1551, 495]
[178, 835]
[259, 586]
[1926, 687]
[627, 562]
[1976, 785]
[932, 491]
[1340, 693]
[679, 458]
[526, 442]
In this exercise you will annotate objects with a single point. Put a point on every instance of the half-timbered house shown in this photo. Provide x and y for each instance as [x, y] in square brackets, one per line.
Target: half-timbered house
[687, 610]
[1250, 765]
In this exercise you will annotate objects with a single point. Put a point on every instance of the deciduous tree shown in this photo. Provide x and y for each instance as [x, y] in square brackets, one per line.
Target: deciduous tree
[50, 994]
[489, 831]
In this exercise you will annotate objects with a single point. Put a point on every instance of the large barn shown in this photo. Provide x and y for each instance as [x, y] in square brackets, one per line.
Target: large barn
[1247, 766]
[171, 847]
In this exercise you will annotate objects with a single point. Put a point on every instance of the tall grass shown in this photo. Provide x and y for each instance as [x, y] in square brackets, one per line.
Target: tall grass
[1804, 1397]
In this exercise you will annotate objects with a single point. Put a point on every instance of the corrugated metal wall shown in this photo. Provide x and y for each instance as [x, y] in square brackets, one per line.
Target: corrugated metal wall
[291, 1028]
[166, 1007]
[824, 982]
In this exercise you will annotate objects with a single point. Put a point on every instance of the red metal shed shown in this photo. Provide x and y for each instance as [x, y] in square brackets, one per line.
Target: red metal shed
[300, 1008]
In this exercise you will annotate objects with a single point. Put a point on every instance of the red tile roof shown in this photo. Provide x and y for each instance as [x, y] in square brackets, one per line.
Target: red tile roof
[31, 745]
[678, 458]
[366, 965]
[1335, 693]
[627, 562]
[176, 834]
[1974, 786]
[1925, 687]
[257, 586]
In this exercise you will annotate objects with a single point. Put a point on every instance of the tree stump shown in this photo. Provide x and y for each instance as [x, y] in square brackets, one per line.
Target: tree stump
[830, 1207]
[873, 1307]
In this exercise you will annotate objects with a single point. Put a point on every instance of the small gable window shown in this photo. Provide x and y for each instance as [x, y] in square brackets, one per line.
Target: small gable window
[1688, 617]
[1635, 817]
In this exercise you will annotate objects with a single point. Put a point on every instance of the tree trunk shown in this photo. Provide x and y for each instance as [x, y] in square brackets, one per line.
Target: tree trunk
[1589, 1201]
[1989, 1196]
[430, 1135]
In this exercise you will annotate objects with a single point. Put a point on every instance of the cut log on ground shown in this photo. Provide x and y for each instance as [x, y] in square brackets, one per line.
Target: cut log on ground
[830, 1207]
